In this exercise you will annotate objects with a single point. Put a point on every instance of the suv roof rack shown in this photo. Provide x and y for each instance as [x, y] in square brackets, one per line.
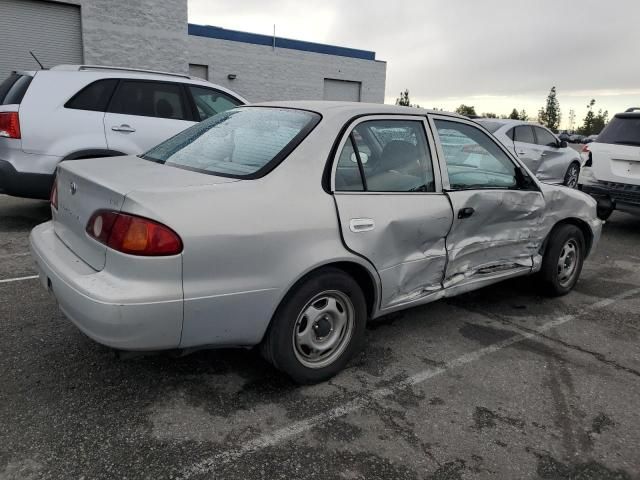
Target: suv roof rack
[632, 109]
[118, 69]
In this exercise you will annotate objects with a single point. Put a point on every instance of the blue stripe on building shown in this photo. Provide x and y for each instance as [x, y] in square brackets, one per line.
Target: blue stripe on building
[258, 39]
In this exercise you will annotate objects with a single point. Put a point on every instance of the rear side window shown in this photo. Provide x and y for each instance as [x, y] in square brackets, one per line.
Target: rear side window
[94, 97]
[150, 99]
[12, 90]
[210, 102]
[524, 134]
[622, 130]
[386, 156]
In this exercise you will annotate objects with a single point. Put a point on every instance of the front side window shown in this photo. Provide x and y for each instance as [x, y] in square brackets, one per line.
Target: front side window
[474, 161]
[93, 97]
[210, 102]
[386, 156]
[240, 143]
[150, 99]
[545, 138]
[524, 134]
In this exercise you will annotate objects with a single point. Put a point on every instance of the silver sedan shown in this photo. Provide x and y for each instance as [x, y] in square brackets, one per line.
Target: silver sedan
[289, 225]
[550, 159]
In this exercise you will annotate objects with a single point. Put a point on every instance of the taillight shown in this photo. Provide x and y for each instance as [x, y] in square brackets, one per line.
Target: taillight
[587, 151]
[132, 234]
[9, 125]
[54, 194]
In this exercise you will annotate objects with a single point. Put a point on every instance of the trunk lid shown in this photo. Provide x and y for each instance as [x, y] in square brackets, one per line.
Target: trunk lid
[85, 186]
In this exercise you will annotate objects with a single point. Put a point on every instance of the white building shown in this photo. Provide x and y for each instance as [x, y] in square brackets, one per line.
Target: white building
[154, 34]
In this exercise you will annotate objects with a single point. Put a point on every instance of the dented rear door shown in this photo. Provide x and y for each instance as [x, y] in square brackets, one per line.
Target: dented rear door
[398, 220]
[497, 226]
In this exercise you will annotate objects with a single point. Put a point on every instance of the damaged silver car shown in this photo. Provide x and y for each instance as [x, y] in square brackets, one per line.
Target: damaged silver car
[289, 225]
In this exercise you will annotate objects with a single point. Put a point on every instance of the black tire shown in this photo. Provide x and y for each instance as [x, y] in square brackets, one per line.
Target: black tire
[552, 277]
[572, 175]
[281, 346]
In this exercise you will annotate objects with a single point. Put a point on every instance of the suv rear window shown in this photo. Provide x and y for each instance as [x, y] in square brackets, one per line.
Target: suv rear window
[239, 143]
[94, 97]
[12, 90]
[622, 130]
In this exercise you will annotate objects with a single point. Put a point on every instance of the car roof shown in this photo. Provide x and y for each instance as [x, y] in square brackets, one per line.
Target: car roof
[507, 121]
[106, 71]
[354, 108]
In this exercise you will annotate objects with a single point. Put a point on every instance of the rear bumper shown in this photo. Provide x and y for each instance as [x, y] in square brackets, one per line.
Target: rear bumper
[615, 196]
[94, 301]
[24, 184]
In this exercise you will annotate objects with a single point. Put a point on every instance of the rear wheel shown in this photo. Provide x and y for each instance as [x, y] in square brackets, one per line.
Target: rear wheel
[318, 327]
[562, 261]
[572, 175]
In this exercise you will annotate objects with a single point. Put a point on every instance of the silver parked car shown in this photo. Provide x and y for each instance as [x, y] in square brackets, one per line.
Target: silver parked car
[550, 159]
[289, 225]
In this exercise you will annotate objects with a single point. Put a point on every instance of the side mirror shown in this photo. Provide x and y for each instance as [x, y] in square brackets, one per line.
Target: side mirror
[364, 158]
[563, 144]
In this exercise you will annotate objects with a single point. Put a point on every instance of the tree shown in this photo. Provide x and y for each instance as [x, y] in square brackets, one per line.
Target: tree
[550, 115]
[514, 115]
[490, 115]
[466, 110]
[572, 119]
[404, 100]
[588, 124]
[523, 115]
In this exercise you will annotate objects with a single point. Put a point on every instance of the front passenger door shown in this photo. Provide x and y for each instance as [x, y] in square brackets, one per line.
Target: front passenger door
[496, 229]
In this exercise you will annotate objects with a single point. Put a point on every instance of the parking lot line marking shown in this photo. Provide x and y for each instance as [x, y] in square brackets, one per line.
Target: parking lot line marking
[208, 465]
[11, 255]
[18, 279]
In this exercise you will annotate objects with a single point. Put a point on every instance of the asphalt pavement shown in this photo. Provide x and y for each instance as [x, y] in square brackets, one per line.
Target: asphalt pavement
[499, 383]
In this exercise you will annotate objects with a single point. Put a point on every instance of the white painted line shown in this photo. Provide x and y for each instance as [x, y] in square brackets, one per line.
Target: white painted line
[18, 279]
[11, 255]
[208, 465]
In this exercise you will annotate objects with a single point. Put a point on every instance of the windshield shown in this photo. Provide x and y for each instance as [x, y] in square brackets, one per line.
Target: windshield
[622, 130]
[13, 89]
[241, 143]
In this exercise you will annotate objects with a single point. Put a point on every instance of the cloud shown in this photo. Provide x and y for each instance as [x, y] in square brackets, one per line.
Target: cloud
[463, 48]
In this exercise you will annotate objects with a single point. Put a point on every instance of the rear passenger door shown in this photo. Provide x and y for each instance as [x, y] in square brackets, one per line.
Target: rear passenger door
[525, 146]
[391, 207]
[144, 113]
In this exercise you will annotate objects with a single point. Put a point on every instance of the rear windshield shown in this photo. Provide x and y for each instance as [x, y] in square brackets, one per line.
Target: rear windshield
[13, 89]
[241, 143]
[491, 126]
[622, 130]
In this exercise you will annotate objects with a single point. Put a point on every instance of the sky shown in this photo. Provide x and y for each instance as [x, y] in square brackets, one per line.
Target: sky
[492, 54]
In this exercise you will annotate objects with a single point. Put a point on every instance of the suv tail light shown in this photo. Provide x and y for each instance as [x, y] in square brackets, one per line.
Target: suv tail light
[9, 125]
[132, 234]
[54, 194]
[587, 152]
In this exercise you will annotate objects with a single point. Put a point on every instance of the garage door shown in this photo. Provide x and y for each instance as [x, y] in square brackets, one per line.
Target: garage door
[341, 90]
[51, 30]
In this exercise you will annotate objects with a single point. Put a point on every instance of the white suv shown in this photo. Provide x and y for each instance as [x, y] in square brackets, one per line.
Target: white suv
[72, 112]
[611, 172]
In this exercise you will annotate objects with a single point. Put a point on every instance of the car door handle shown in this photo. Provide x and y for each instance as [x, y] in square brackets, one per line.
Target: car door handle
[357, 225]
[123, 128]
[465, 212]
[520, 152]
[543, 154]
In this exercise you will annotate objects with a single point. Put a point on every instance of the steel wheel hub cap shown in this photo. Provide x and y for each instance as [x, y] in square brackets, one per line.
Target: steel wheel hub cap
[567, 262]
[323, 329]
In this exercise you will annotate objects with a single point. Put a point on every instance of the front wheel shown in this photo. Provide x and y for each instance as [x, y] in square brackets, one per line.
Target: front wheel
[572, 175]
[319, 326]
[562, 261]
